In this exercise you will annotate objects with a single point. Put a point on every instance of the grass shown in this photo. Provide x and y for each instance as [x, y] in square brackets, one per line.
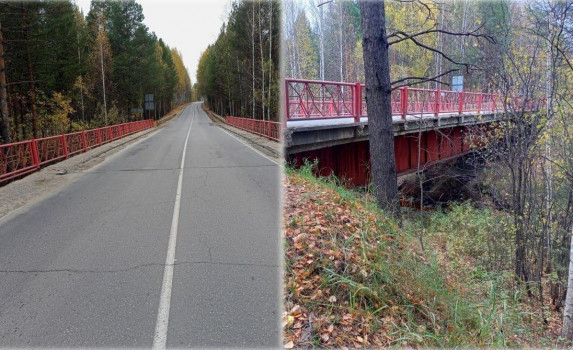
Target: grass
[360, 279]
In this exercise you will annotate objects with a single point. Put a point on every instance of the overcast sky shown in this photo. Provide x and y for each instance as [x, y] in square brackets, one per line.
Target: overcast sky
[188, 25]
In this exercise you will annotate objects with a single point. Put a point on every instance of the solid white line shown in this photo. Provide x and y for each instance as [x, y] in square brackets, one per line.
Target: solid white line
[160, 338]
[251, 147]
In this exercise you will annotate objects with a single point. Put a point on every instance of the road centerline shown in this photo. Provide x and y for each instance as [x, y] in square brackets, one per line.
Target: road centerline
[162, 323]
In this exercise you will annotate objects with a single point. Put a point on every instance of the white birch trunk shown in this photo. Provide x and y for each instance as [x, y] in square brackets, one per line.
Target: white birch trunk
[270, 58]
[253, 57]
[567, 331]
[262, 62]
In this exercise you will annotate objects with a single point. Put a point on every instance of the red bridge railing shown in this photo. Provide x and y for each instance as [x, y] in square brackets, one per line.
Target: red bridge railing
[21, 158]
[268, 129]
[312, 99]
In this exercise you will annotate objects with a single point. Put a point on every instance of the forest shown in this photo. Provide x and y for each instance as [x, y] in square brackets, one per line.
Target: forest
[323, 39]
[239, 74]
[65, 71]
[515, 229]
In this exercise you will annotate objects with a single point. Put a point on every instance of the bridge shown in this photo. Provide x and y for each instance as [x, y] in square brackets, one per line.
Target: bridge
[172, 241]
[328, 121]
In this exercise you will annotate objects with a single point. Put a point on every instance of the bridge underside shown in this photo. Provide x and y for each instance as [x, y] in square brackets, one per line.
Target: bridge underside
[416, 151]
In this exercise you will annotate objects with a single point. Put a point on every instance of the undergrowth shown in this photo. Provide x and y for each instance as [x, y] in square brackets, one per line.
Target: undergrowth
[356, 278]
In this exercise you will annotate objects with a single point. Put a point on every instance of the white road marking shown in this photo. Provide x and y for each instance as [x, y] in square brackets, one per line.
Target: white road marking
[251, 147]
[160, 338]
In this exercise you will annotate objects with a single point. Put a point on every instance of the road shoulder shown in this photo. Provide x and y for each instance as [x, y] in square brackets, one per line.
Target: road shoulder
[50, 179]
[268, 147]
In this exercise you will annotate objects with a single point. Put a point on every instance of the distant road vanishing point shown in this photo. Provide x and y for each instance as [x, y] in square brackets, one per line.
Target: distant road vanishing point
[172, 242]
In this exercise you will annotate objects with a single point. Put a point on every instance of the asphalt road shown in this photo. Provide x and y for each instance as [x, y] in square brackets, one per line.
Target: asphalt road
[89, 265]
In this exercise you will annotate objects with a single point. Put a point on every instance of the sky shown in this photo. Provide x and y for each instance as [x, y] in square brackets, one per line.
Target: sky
[190, 26]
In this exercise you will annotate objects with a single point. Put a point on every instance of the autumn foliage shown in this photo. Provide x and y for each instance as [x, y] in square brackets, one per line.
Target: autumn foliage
[354, 278]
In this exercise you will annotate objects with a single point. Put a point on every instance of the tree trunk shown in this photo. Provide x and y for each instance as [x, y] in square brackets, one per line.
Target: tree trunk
[340, 44]
[262, 63]
[270, 59]
[321, 43]
[32, 88]
[4, 117]
[32, 92]
[378, 89]
[567, 331]
[253, 56]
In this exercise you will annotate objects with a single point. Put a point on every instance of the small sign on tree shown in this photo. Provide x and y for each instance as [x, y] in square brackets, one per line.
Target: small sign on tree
[458, 83]
[149, 102]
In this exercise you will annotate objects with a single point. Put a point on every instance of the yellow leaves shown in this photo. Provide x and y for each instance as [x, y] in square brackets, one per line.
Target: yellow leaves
[53, 114]
[410, 18]
[183, 79]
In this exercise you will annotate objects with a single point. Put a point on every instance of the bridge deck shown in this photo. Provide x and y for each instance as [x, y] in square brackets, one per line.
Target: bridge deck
[304, 135]
[396, 119]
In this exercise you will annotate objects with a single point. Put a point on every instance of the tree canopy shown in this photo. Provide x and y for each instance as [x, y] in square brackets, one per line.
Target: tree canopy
[55, 57]
[239, 73]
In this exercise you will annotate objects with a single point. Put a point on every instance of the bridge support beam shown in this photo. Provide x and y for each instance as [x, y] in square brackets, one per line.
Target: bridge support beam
[416, 151]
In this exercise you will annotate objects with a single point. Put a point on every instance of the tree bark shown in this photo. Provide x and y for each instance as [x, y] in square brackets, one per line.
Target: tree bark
[378, 89]
[567, 330]
[4, 117]
[253, 56]
[262, 63]
[32, 88]
[270, 59]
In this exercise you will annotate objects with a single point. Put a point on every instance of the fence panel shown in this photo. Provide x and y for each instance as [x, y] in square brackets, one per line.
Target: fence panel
[313, 99]
[268, 129]
[17, 159]
[21, 158]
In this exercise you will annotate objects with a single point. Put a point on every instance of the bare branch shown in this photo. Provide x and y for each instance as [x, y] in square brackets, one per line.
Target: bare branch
[560, 50]
[422, 80]
[467, 65]
[404, 36]
[324, 3]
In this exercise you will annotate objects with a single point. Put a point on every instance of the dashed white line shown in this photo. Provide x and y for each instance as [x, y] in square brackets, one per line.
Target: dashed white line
[161, 325]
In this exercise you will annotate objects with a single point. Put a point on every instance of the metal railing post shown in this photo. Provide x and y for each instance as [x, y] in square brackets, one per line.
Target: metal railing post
[64, 145]
[404, 101]
[84, 141]
[357, 102]
[35, 153]
[437, 103]
[461, 106]
[286, 105]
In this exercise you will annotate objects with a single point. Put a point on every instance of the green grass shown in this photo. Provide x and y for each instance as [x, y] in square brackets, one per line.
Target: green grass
[457, 293]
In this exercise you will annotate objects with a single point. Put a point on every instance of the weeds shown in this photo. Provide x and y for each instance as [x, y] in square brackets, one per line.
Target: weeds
[362, 280]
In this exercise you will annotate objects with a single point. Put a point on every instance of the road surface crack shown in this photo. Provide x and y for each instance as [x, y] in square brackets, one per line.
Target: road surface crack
[130, 170]
[137, 267]
[231, 166]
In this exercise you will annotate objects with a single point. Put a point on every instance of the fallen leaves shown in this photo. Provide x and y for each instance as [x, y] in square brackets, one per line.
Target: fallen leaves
[333, 251]
[322, 231]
